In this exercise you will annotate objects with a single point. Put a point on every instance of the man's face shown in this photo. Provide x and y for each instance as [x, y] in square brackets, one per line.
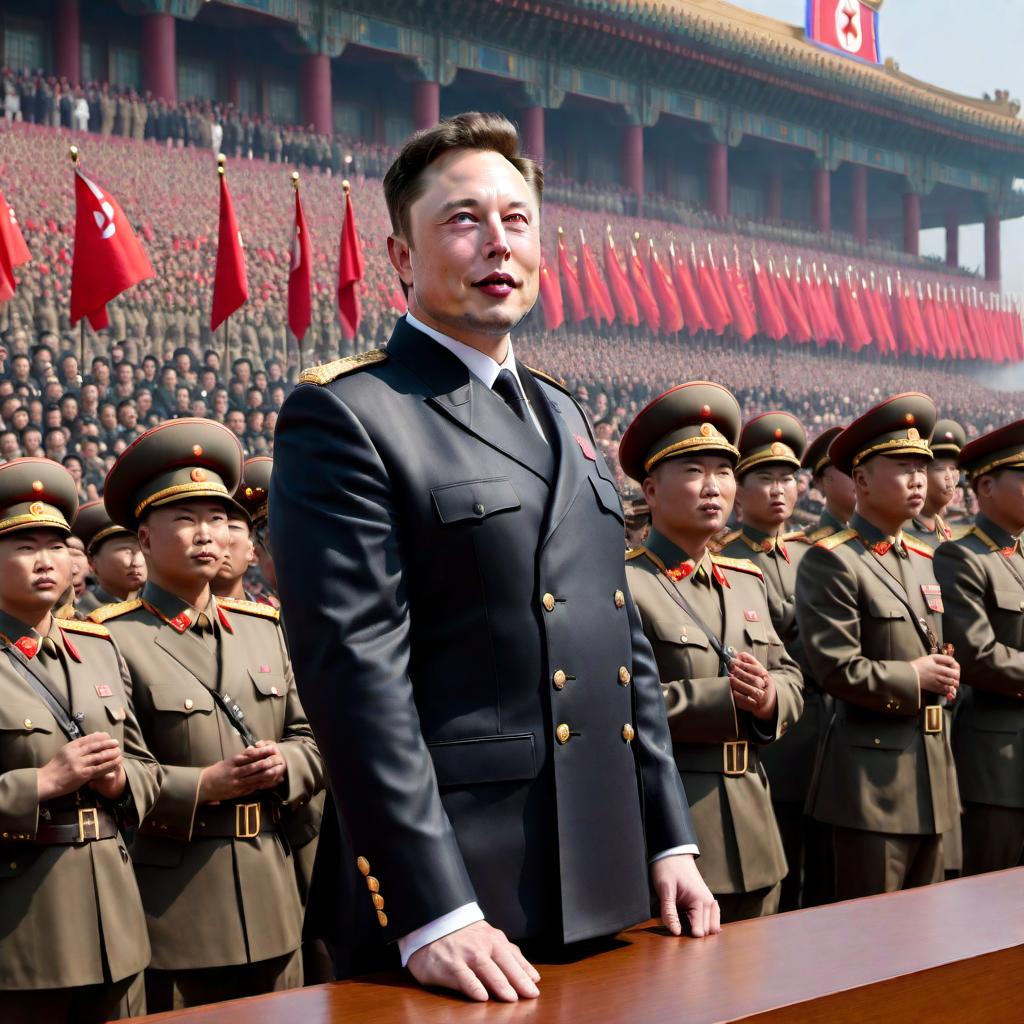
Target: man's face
[125, 375]
[943, 479]
[691, 495]
[185, 542]
[119, 564]
[767, 495]
[473, 261]
[1001, 498]
[239, 554]
[101, 374]
[839, 492]
[235, 422]
[79, 564]
[128, 417]
[108, 417]
[891, 486]
[32, 440]
[35, 569]
[20, 368]
[90, 396]
[9, 446]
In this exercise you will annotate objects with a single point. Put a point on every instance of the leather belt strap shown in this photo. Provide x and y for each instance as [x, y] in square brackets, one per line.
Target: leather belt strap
[236, 819]
[70, 827]
[734, 758]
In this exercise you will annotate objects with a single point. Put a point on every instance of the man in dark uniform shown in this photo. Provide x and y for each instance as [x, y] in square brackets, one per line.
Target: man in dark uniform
[982, 580]
[929, 526]
[870, 617]
[729, 684]
[114, 558]
[835, 486]
[487, 703]
[215, 697]
[73, 773]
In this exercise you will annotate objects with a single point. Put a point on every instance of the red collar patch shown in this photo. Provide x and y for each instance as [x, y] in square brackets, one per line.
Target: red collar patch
[70, 647]
[28, 646]
[224, 620]
[180, 622]
[681, 571]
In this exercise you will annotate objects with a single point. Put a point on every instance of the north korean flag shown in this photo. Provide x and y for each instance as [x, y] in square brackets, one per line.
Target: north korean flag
[849, 27]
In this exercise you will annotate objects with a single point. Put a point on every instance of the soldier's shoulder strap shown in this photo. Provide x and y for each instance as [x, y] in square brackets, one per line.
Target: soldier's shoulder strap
[328, 372]
[718, 543]
[918, 546]
[83, 626]
[264, 611]
[819, 534]
[113, 611]
[555, 382]
[799, 536]
[961, 530]
[635, 553]
[740, 564]
[836, 540]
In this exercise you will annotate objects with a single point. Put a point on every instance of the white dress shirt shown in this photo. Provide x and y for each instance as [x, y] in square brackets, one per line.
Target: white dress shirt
[486, 370]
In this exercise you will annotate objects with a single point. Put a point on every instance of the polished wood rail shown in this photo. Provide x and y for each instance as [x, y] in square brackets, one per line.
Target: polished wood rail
[951, 952]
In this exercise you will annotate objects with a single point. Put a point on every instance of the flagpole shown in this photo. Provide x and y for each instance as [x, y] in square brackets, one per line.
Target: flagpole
[221, 161]
[298, 340]
[73, 153]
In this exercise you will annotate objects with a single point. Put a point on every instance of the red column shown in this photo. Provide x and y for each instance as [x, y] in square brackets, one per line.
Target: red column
[426, 104]
[718, 179]
[67, 41]
[316, 93]
[774, 197]
[859, 202]
[952, 237]
[533, 133]
[159, 74]
[993, 271]
[633, 162]
[821, 200]
[912, 223]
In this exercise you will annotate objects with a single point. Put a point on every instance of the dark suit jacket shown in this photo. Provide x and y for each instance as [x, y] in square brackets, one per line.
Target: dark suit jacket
[417, 526]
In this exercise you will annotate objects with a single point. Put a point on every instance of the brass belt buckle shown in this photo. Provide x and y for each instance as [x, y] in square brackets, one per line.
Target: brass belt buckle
[247, 821]
[933, 718]
[734, 757]
[88, 817]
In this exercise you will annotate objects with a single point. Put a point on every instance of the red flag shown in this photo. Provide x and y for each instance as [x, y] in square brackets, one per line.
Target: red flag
[550, 297]
[595, 290]
[851, 318]
[664, 293]
[797, 325]
[618, 284]
[645, 299]
[571, 283]
[715, 308]
[230, 287]
[850, 27]
[952, 327]
[743, 322]
[300, 301]
[964, 328]
[13, 250]
[686, 289]
[350, 271]
[920, 327]
[805, 293]
[910, 344]
[878, 318]
[108, 258]
[772, 323]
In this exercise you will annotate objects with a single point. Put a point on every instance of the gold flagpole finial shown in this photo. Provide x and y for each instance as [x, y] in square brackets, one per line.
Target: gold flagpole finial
[73, 153]
[346, 186]
[221, 161]
[295, 180]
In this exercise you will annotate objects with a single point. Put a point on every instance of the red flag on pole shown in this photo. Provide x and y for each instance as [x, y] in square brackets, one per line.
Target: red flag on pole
[570, 282]
[772, 323]
[595, 290]
[108, 258]
[13, 250]
[230, 286]
[715, 308]
[300, 302]
[350, 270]
[689, 301]
[850, 27]
[618, 284]
[664, 293]
[851, 318]
[797, 325]
[550, 297]
[645, 299]
[743, 321]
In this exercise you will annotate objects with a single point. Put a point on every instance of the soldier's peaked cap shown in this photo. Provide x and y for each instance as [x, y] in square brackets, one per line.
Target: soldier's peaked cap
[816, 456]
[696, 418]
[173, 462]
[254, 489]
[900, 425]
[93, 525]
[36, 494]
[948, 438]
[999, 449]
[771, 437]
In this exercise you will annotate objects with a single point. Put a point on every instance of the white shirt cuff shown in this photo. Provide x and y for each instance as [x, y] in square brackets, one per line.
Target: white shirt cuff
[441, 926]
[676, 851]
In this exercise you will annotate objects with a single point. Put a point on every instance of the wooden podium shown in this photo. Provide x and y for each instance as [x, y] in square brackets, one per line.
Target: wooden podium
[951, 952]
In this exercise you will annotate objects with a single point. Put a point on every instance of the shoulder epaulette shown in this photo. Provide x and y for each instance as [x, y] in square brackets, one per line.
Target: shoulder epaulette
[918, 546]
[800, 536]
[962, 530]
[717, 543]
[819, 534]
[327, 372]
[80, 626]
[553, 381]
[250, 608]
[650, 555]
[742, 564]
[634, 553]
[836, 539]
[112, 611]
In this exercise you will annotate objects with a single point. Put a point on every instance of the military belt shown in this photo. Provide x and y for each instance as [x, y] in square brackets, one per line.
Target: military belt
[234, 819]
[732, 758]
[70, 827]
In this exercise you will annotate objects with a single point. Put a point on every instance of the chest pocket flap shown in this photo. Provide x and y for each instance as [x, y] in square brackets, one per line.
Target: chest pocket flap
[886, 608]
[171, 697]
[269, 684]
[607, 496]
[1009, 600]
[474, 499]
[25, 718]
[683, 633]
[755, 632]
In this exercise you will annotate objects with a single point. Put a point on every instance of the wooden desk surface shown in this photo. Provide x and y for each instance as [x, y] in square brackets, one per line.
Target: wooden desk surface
[950, 952]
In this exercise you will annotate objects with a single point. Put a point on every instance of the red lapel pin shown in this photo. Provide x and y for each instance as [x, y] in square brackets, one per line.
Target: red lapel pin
[586, 447]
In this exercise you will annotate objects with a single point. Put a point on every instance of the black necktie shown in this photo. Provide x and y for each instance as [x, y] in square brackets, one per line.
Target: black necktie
[506, 387]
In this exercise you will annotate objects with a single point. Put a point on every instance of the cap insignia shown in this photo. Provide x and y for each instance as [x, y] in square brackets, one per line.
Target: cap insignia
[913, 434]
[198, 475]
[36, 508]
[706, 429]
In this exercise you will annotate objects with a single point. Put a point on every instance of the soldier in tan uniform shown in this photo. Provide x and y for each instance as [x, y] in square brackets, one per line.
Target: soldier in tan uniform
[114, 558]
[929, 526]
[771, 447]
[835, 485]
[73, 772]
[982, 580]
[870, 616]
[215, 697]
[728, 682]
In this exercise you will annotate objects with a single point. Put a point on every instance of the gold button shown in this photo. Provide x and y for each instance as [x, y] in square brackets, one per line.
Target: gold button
[562, 733]
[878, 742]
[478, 509]
[372, 884]
[624, 676]
[382, 918]
[620, 599]
[683, 638]
[559, 679]
[28, 723]
[189, 703]
[548, 600]
[628, 732]
[378, 901]
[363, 864]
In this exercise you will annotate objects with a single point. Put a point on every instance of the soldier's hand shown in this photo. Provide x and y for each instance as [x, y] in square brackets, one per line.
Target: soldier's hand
[77, 763]
[111, 783]
[678, 883]
[938, 673]
[271, 771]
[752, 687]
[233, 777]
[478, 961]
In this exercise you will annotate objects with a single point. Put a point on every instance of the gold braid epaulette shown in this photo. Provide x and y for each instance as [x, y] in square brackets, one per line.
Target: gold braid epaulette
[919, 546]
[112, 611]
[78, 626]
[836, 539]
[819, 534]
[554, 381]
[327, 372]
[800, 536]
[634, 553]
[742, 564]
[718, 543]
[266, 611]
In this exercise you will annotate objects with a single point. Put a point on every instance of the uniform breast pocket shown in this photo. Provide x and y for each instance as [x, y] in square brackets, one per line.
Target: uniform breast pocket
[1010, 604]
[271, 691]
[179, 713]
[885, 616]
[26, 735]
[682, 652]
[473, 501]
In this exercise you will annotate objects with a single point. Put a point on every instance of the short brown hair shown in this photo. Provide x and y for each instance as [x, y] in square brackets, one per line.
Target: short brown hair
[403, 184]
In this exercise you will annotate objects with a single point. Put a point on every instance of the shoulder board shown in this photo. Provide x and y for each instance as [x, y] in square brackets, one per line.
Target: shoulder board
[819, 534]
[79, 626]
[918, 546]
[553, 381]
[717, 543]
[266, 611]
[327, 372]
[634, 553]
[742, 564]
[112, 611]
[961, 530]
[650, 555]
[836, 539]
[800, 536]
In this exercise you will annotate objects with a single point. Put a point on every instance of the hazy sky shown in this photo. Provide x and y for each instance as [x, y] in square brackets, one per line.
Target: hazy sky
[972, 47]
